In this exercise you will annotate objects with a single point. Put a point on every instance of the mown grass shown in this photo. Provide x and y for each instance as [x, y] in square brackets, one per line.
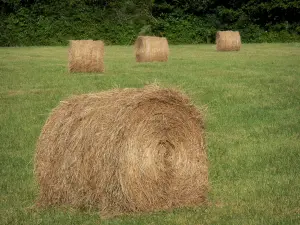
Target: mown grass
[252, 102]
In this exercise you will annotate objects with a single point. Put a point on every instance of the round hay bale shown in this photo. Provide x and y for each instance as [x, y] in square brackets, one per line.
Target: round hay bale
[123, 151]
[150, 49]
[228, 41]
[86, 56]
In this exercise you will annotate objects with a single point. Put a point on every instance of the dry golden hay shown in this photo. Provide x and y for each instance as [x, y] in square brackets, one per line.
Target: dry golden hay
[150, 49]
[228, 41]
[86, 56]
[123, 151]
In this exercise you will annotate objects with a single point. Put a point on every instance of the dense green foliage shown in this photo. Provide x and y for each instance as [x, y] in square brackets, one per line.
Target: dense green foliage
[53, 22]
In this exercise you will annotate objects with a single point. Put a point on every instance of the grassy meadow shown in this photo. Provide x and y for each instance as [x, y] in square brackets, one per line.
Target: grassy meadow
[251, 100]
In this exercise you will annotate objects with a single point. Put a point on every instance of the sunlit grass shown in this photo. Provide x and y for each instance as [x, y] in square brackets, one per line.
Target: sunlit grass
[252, 102]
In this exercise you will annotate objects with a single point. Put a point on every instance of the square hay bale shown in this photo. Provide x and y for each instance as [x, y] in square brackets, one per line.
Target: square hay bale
[228, 41]
[150, 49]
[86, 56]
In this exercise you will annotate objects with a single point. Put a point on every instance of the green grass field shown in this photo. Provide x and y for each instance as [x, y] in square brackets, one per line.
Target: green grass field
[252, 104]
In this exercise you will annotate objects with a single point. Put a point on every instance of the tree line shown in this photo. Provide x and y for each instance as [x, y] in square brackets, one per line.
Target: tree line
[54, 22]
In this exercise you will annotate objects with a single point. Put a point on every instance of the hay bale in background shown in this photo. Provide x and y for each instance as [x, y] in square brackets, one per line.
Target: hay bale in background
[86, 56]
[228, 41]
[122, 151]
[150, 49]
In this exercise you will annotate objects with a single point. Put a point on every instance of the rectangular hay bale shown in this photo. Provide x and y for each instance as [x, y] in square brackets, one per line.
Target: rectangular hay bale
[86, 56]
[150, 49]
[228, 41]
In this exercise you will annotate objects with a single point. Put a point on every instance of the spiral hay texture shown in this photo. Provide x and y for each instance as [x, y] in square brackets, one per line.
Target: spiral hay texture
[86, 56]
[123, 151]
[150, 49]
[228, 41]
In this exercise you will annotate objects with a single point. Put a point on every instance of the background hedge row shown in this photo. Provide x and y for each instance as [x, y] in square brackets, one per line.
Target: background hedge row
[54, 22]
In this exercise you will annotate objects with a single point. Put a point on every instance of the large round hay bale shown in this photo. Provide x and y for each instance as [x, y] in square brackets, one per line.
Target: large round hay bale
[86, 56]
[228, 41]
[122, 151]
[150, 49]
